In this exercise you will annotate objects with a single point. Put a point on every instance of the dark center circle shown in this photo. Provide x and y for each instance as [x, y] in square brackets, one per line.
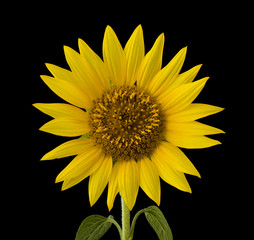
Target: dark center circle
[127, 122]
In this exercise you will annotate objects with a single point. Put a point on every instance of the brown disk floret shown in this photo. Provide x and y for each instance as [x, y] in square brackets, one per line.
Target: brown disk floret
[127, 122]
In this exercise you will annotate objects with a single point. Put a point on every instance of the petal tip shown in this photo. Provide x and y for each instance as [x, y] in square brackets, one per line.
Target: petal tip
[43, 77]
[46, 78]
[48, 65]
[42, 128]
[65, 47]
[110, 206]
[67, 50]
[196, 173]
[162, 37]
[58, 180]
[202, 81]
[91, 203]
[64, 187]
[35, 105]
[43, 158]
[221, 131]
[158, 202]
[139, 28]
[108, 30]
[185, 49]
[215, 143]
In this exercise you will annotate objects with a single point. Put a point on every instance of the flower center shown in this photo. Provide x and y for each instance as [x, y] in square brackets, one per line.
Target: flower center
[126, 122]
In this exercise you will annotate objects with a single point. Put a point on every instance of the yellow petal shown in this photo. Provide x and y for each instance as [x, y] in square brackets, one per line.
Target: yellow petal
[66, 126]
[70, 182]
[176, 158]
[113, 187]
[168, 173]
[134, 51]
[68, 92]
[99, 180]
[167, 75]
[151, 64]
[128, 180]
[70, 148]
[182, 96]
[114, 57]
[193, 112]
[84, 164]
[192, 128]
[78, 69]
[149, 179]
[95, 62]
[57, 110]
[61, 73]
[183, 78]
[187, 77]
[191, 141]
[85, 73]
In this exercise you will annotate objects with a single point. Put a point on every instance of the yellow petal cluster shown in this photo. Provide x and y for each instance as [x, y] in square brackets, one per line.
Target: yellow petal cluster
[88, 78]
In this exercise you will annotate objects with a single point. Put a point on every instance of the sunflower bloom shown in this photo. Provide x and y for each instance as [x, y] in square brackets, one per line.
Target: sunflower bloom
[132, 116]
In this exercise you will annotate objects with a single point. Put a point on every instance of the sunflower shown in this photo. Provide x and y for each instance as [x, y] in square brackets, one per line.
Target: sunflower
[130, 116]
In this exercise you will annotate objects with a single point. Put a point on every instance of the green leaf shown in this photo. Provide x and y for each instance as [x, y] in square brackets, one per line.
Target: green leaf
[158, 222]
[93, 227]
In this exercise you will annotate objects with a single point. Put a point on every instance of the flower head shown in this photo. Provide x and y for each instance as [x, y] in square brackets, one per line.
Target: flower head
[132, 116]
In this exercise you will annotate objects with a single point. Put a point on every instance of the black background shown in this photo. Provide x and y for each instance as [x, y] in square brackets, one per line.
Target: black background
[212, 210]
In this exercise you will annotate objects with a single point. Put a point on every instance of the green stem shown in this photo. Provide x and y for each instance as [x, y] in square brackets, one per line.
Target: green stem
[125, 221]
